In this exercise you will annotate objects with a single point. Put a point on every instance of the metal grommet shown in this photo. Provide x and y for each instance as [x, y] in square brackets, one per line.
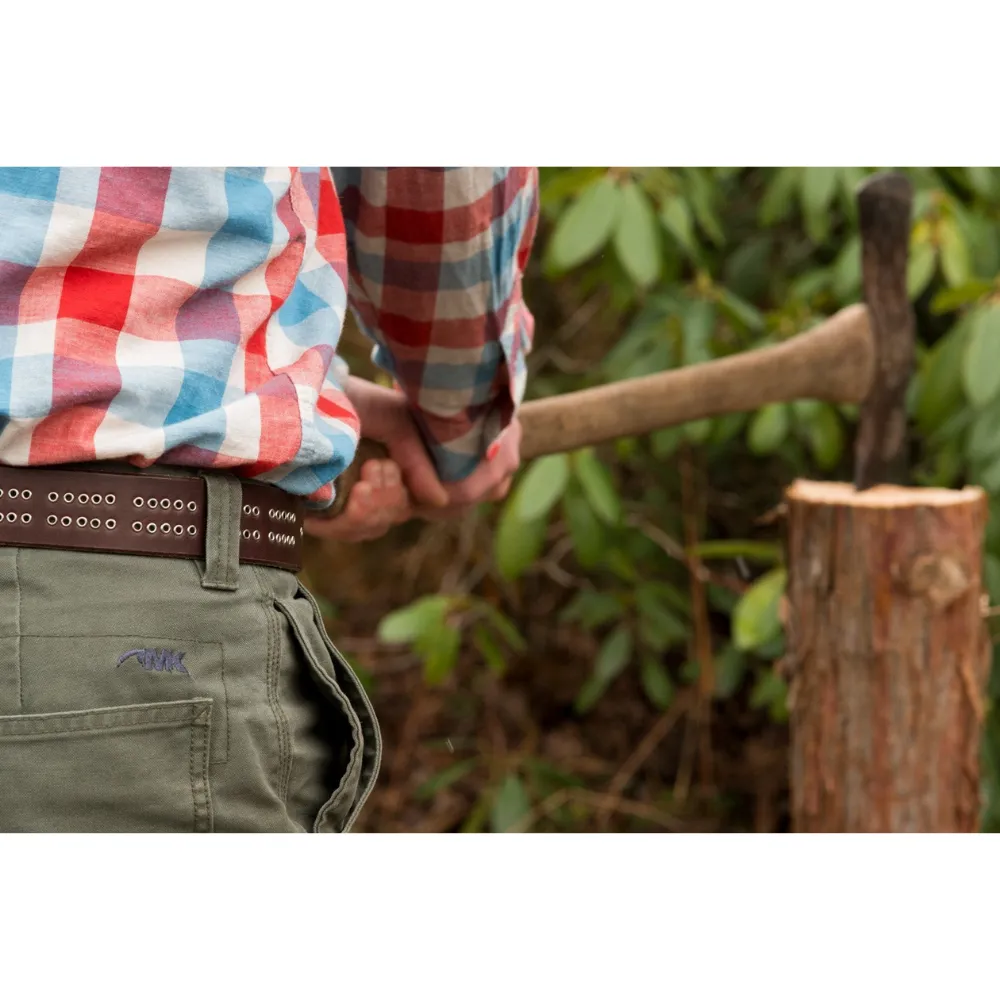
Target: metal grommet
[256, 536]
[178, 505]
[95, 523]
[137, 525]
[192, 505]
[13, 494]
[83, 498]
[178, 529]
[52, 519]
[137, 501]
[25, 494]
[110, 498]
[96, 498]
[81, 522]
[26, 518]
[165, 503]
[66, 521]
[165, 528]
[11, 516]
[53, 497]
[270, 513]
[246, 509]
[68, 497]
[270, 536]
[246, 534]
[1, 492]
[111, 524]
[151, 528]
[256, 511]
[192, 530]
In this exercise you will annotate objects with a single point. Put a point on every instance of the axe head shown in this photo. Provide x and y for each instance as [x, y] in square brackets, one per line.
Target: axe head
[885, 203]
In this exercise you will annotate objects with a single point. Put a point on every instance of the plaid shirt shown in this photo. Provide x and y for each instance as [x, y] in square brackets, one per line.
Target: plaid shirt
[190, 316]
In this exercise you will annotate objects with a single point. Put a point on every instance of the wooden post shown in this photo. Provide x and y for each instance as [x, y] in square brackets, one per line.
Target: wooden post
[890, 657]
[887, 645]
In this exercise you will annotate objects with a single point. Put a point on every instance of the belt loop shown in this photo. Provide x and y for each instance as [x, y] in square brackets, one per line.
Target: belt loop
[224, 507]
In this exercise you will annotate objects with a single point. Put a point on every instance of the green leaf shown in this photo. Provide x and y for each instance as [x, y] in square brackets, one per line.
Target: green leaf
[730, 667]
[517, 544]
[818, 187]
[409, 623]
[597, 484]
[826, 437]
[636, 240]
[954, 254]
[983, 442]
[504, 627]
[664, 443]
[768, 429]
[659, 627]
[700, 192]
[676, 217]
[446, 778]
[981, 365]
[983, 180]
[656, 683]
[698, 318]
[698, 431]
[779, 196]
[439, 647]
[847, 271]
[541, 487]
[592, 608]
[920, 269]
[586, 225]
[585, 529]
[759, 552]
[613, 657]
[771, 692]
[490, 649]
[950, 299]
[738, 311]
[510, 804]
[941, 389]
[755, 618]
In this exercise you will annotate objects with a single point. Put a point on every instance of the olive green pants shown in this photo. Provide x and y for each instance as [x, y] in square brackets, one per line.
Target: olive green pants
[144, 694]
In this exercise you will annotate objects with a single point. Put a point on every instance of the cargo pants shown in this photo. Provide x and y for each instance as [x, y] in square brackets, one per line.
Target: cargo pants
[142, 694]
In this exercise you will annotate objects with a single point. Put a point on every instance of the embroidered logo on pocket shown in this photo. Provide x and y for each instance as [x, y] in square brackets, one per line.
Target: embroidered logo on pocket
[168, 660]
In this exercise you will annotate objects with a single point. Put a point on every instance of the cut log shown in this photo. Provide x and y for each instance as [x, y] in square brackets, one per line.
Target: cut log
[888, 653]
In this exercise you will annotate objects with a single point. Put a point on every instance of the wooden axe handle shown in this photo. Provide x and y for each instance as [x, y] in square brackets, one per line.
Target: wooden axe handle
[835, 361]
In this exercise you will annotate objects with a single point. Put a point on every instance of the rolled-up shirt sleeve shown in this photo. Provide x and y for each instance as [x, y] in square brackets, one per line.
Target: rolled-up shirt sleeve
[436, 258]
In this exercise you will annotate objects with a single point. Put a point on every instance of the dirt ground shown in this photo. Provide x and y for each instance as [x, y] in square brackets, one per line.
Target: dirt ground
[623, 767]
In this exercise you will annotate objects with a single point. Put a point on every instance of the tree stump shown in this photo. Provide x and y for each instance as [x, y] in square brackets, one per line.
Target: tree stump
[889, 655]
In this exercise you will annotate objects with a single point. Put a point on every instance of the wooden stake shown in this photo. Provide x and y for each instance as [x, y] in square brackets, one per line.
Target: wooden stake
[890, 656]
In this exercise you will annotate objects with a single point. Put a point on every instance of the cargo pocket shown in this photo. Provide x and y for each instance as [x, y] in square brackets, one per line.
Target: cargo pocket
[133, 769]
[344, 720]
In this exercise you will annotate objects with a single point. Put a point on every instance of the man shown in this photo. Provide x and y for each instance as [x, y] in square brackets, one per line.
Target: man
[173, 417]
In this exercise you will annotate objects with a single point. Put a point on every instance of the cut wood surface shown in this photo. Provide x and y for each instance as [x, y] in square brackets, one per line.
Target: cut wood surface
[889, 657]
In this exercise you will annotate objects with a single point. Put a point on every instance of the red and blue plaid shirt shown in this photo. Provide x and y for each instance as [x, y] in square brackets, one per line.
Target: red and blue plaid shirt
[190, 316]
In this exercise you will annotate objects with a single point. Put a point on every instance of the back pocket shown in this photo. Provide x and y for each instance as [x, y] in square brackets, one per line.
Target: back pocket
[134, 769]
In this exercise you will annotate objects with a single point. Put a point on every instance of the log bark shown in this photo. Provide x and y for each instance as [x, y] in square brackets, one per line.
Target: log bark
[889, 654]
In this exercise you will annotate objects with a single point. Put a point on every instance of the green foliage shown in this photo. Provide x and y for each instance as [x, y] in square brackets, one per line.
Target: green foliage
[695, 264]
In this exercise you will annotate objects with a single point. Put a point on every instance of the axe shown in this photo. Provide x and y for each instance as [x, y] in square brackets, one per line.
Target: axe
[862, 354]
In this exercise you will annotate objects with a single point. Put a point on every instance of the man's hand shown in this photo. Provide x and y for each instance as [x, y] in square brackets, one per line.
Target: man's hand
[385, 417]
[378, 501]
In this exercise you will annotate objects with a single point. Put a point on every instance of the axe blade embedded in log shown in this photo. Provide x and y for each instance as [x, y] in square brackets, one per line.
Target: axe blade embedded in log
[863, 354]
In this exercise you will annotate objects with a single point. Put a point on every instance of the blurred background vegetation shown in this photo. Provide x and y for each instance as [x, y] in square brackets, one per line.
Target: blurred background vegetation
[605, 650]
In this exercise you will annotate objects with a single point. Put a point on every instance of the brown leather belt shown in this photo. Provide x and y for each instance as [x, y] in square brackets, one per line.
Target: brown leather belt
[147, 515]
